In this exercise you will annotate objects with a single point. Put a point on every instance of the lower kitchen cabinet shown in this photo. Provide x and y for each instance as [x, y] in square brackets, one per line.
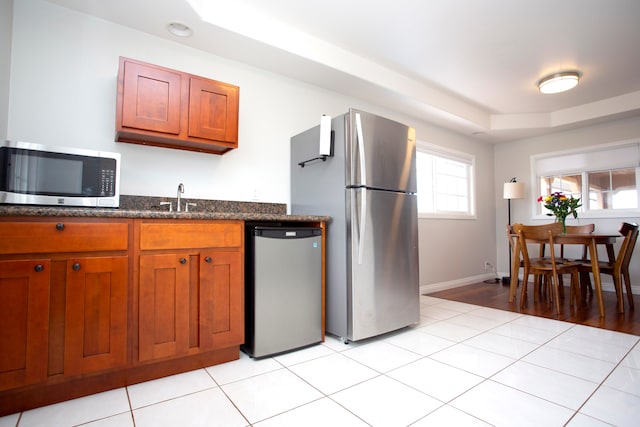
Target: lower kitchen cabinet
[221, 305]
[92, 304]
[163, 306]
[24, 322]
[191, 299]
[64, 287]
[96, 314]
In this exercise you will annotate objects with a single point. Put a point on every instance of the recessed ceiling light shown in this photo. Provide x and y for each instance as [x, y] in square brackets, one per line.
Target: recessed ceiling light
[179, 29]
[559, 82]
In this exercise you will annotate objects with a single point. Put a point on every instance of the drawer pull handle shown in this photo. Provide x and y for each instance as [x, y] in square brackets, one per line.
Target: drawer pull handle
[38, 268]
[183, 261]
[207, 259]
[76, 266]
[59, 226]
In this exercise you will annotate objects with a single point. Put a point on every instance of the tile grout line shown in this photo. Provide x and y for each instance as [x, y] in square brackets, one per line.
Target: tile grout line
[601, 384]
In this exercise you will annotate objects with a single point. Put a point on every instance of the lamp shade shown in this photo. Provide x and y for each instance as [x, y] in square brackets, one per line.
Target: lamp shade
[513, 190]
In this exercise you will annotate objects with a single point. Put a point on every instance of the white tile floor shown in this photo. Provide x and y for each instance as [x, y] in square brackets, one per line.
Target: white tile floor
[462, 365]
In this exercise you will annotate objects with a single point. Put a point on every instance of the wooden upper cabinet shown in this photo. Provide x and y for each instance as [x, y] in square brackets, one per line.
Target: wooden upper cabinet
[168, 108]
[151, 100]
[213, 110]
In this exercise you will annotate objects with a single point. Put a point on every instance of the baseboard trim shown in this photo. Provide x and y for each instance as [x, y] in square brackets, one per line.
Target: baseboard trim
[442, 286]
[435, 287]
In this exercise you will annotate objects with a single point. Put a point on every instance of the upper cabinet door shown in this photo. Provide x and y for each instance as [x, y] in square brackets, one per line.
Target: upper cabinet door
[151, 98]
[213, 110]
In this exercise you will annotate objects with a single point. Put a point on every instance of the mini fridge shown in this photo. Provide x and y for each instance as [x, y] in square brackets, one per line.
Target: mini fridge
[283, 289]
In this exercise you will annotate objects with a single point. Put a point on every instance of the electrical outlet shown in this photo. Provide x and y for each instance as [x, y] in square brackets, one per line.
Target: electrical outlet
[487, 265]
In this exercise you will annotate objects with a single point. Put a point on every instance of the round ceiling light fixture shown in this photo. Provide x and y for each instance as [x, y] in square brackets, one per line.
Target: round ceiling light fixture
[559, 82]
[179, 29]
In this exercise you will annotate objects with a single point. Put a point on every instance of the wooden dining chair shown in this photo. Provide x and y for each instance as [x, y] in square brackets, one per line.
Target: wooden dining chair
[625, 264]
[513, 238]
[578, 229]
[549, 267]
[619, 267]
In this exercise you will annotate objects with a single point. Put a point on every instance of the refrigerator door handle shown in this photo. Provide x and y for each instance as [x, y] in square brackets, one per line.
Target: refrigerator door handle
[363, 182]
[363, 224]
[361, 156]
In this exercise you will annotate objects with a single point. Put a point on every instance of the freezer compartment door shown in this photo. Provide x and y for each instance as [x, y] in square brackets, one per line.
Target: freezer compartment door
[381, 153]
[383, 288]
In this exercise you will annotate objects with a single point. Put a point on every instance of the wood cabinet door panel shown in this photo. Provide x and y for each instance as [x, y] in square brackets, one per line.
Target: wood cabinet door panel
[163, 305]
[221, 299]
[96, 314]
[151, 98]
[24, 322]
[213, 110]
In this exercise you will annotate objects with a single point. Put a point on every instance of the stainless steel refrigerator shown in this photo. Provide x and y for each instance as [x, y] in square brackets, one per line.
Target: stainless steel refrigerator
[368, 187]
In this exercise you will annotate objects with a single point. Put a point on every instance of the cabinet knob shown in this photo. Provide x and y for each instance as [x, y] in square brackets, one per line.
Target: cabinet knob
[59, 226]
[183, 260]
[207, 259]
[76, 266]
[38, 268]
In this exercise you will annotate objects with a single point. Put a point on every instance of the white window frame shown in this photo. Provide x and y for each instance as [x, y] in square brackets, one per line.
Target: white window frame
[581, 161]
[457, 156]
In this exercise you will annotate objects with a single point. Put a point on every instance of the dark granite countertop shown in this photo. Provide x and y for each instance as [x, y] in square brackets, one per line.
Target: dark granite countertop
[149, 207]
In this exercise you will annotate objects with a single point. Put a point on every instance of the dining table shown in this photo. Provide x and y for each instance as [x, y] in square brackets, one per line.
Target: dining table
[592, 240]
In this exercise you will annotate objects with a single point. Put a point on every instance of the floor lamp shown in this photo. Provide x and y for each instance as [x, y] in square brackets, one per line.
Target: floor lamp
[511, 190]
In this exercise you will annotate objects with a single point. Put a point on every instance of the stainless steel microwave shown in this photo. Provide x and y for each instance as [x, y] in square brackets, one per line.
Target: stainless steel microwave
[35, 174]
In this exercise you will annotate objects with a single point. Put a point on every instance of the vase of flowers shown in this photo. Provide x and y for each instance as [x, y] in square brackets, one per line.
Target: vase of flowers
[561, 207]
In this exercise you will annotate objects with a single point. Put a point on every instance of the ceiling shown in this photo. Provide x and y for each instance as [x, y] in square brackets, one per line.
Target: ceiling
[467, 65]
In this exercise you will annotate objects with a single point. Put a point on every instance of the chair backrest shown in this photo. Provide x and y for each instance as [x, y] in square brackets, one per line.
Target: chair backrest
[511, 235]
[538, 234]
[579, 229]
[630, 233]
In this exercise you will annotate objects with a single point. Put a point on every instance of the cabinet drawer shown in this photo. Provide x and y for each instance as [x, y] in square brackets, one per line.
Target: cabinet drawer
[188, 235]
[62, 236]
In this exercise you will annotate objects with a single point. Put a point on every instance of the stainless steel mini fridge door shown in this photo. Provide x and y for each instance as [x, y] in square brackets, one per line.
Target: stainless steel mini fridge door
[383, 289]
[287, 292]
[381, 153]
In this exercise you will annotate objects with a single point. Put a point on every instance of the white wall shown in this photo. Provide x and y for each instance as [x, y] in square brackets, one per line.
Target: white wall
[63, 92]
[513, 160]
[454, 251]
[6, 19]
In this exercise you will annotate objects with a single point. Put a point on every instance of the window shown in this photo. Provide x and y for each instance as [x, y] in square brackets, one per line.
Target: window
[445, 182]
[604, 177]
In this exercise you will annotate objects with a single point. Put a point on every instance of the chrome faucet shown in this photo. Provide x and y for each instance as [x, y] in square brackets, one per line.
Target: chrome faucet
[180, 191]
